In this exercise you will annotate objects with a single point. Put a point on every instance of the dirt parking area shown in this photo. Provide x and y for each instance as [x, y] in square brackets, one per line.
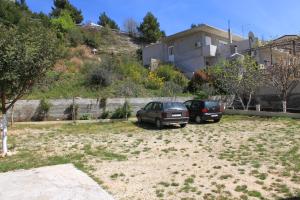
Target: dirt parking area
[238, 158]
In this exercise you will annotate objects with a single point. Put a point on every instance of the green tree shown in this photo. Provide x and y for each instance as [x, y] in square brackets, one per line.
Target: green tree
[105, 21]
[10, 13]
[150, 29]
[65, 5]
[239, 77]
[24, 60]
[64, 22]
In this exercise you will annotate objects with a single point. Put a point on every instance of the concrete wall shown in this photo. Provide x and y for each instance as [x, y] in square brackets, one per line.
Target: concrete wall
[27, 110]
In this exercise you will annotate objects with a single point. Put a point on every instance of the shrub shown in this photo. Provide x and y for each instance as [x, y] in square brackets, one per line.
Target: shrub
[132, 69]
[100, 77]
[104, 115]
[122, 112]
[43, 110]
[166, 72]
[201, 95]
[69, 111]
[85, 117]
[153, 81]
[129, 89]
[200, 77]
[170, 89]
[180, 79]
[75, 37]
[169, 73]
[92, 38]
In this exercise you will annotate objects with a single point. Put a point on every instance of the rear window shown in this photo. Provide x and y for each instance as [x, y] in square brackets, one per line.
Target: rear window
[174, 105]
[211, 104]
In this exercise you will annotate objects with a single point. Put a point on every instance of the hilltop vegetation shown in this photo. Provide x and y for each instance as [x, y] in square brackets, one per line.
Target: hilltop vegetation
[96, 61]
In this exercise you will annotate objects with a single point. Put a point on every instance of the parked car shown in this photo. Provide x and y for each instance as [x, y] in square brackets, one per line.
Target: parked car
[203, 110]
[164, 114]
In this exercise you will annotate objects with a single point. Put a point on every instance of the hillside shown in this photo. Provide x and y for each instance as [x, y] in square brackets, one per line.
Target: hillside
[113, 71]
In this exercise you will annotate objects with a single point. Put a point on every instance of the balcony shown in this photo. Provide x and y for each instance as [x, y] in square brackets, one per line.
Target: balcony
[209, 50]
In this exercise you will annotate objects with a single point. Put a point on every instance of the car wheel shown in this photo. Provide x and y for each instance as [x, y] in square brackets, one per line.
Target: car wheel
[182, 125]
[158, 124]
[198, 119]
[216, 120]
[139, 118]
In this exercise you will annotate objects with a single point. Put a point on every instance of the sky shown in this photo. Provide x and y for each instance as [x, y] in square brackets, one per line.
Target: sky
[268, 19]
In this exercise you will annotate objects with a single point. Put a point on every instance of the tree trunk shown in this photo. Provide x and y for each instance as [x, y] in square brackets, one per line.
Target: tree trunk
[12, 116]
[4, 124]
[249, 101]
[4, 134]
[242, 102]
[284, 107]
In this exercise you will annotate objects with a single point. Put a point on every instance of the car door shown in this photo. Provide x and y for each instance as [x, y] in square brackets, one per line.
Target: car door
[146, 112]
[154, 112]
[195, 109]
[157, 111]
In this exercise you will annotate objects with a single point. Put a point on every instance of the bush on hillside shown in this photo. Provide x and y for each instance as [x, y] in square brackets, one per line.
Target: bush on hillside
[130, 68]
[153, 82]
[129, 89]
[200, 78]
[100, 77]
[75, 36]
[169, 73]
[171, 89]
[91, 38]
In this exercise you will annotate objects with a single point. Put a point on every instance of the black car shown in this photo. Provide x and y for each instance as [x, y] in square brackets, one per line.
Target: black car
[203, 110]
[164, 114]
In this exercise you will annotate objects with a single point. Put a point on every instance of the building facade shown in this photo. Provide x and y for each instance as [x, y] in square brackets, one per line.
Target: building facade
[195, 48]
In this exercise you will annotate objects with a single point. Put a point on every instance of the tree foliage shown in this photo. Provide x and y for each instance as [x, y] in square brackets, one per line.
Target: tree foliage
[65, 5]
[106, 21]
[239, 77]
[284, 76]
[150, 29]
[11, 13]
[64, 22]
[24, 59]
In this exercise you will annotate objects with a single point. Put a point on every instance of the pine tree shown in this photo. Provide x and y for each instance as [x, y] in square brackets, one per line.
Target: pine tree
[65, 5]
[150, 29]
[106, 21]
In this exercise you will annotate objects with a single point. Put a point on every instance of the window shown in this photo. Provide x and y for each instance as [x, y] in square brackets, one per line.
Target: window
[207, 40]
[157, 106]
[196, 105]
[171, 50]
[148, 106]
[174, 105]
[221, 42]
[188, 104]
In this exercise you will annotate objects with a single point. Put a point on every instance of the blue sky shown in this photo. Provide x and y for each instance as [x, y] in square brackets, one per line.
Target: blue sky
[266, 18]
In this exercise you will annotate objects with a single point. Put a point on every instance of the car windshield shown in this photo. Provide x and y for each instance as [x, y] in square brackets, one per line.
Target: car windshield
[174, 105]
[211, 104]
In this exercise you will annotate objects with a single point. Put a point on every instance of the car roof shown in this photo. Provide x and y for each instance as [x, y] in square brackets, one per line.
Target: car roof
[165, 102]
[204, 100]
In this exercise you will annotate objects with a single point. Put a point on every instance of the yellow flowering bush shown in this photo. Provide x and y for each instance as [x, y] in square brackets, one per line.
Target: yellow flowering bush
[153, 81]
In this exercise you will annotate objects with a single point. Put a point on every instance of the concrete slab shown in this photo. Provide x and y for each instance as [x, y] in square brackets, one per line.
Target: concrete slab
[60, 182]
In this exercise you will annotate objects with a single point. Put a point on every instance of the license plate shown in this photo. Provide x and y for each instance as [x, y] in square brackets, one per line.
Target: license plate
[176, 115]
[214, 115]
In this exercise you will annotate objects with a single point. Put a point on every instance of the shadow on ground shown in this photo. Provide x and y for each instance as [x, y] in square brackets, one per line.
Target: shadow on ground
[149, 126]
